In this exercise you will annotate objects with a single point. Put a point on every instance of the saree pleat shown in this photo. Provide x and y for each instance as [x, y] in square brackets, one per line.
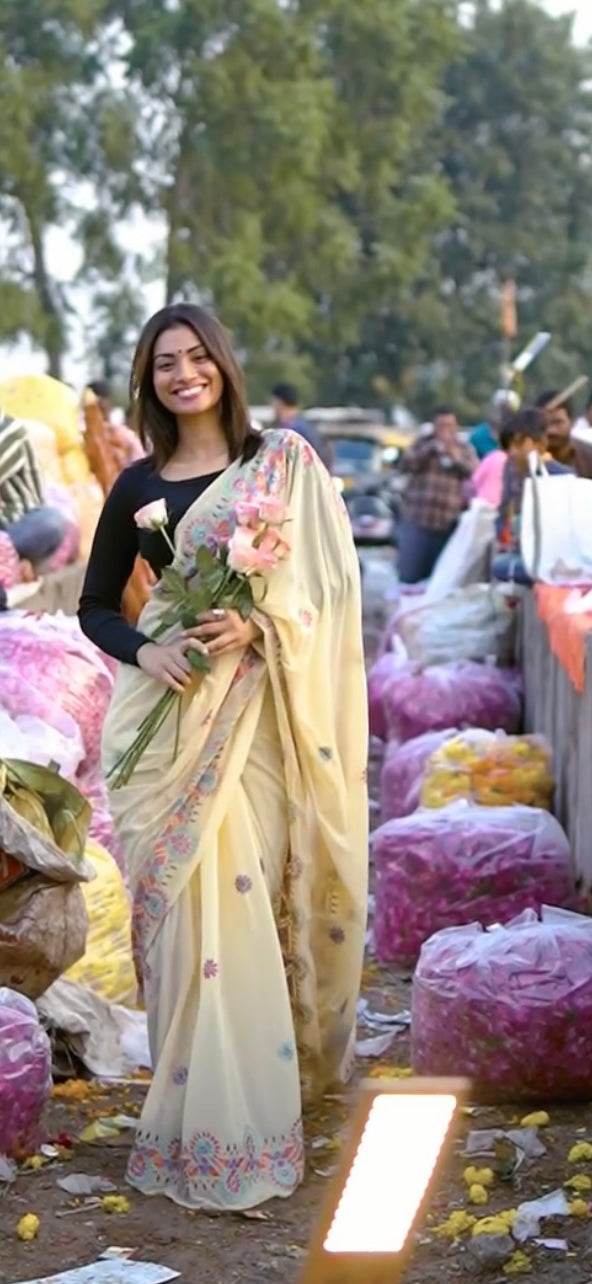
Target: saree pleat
[247, 857]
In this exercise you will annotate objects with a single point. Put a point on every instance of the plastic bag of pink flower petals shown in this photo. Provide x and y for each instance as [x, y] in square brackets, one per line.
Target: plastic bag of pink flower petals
[460, 694]
[386, 669]
[25, 1074]
[52, 655]
[461, 864]
[403, 772]
[511, 1008]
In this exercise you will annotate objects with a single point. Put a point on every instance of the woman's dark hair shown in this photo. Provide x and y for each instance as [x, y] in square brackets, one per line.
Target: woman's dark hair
[529, 421]
[156, 425]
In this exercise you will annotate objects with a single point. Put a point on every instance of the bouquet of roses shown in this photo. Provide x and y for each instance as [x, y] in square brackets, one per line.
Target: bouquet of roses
[224, 579]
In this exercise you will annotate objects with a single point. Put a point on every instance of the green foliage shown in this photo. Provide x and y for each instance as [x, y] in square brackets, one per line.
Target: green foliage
[515, 144]
[346, 183]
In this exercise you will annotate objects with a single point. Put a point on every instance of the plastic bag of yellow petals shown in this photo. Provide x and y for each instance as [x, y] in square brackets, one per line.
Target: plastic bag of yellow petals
[490, 768]
[107, 965]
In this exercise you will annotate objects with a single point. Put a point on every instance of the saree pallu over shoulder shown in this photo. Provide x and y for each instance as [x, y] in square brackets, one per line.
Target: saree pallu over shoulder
[248, 855]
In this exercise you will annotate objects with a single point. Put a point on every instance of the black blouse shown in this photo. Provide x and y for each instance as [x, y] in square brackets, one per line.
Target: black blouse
[116, 544]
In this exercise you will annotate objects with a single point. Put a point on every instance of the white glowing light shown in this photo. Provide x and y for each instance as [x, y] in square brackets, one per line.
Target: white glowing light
[395, 1159]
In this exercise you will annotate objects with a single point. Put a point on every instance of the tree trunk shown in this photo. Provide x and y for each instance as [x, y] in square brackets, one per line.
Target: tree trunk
[176, 205]
[54, 326]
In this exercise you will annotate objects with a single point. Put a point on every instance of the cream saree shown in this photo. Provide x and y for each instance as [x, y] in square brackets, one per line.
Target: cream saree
[248, 856]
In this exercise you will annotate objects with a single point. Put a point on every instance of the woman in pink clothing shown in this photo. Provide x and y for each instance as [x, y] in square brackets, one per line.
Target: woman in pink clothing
[487, 480]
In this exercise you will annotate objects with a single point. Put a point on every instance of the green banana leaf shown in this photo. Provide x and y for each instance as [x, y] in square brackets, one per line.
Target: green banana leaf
[67, 811]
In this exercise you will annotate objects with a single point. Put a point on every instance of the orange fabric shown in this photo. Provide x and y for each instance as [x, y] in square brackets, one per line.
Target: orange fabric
[567, 633]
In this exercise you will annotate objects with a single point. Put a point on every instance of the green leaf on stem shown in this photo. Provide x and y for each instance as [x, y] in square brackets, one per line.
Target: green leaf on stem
[198, 661]
[174, 583]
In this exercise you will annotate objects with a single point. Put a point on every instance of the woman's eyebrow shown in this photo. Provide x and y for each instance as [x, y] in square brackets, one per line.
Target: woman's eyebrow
[197, 347]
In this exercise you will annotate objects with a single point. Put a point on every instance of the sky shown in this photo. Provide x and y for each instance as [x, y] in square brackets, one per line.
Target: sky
[583, 11]
[22, 359]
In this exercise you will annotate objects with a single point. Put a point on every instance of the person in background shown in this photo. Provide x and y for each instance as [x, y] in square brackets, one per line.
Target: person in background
[559, 424]
[485, 438]
[124, 443]
[35, 528]
[439, 465]
[525, 433]
[488, 478]
[582, 441]
[288, 414]
[583, 425]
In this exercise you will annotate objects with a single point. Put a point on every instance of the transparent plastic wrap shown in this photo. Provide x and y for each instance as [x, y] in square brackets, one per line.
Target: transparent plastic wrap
[107, 966]
[25, 1074]
[472, 623]
[460, 694]
[403, 771]
[511, 1008]
[462, 864]
[387, 668]
[490, 768]
[52, 655]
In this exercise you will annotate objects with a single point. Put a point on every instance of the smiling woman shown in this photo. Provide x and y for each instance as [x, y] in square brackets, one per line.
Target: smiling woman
[247, 847]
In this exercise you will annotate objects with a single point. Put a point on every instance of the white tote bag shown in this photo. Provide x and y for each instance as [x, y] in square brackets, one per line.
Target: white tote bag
[556, 526]
[465, 559]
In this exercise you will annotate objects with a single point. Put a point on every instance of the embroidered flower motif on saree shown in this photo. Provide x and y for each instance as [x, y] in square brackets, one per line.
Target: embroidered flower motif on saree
[205, 1166]
[243, 883]
[210, 969]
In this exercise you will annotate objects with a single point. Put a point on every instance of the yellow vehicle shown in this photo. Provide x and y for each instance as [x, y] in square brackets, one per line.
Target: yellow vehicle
[365, 450]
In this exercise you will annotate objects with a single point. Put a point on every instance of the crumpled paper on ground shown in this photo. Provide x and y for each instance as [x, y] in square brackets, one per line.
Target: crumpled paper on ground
[530, 1214]
[482, 1141]
[111, 1272]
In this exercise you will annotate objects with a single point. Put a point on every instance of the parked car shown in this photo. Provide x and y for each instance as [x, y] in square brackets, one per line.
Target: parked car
[372, 520]
[365, 450]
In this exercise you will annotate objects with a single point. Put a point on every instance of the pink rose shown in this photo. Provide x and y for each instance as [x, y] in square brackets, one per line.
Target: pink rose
[242, 555]
[247, 513]
[152, 517]
[271, 548]
[272, 510]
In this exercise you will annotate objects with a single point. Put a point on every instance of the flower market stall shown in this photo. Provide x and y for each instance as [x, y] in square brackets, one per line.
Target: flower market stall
[556, 655]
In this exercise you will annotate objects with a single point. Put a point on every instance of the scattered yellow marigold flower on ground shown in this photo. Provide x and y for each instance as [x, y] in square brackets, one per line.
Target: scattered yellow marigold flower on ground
[518, 1264]
[390, 1072]
[73, 1090]
[28, 1227]
[581, 1181]
[477, 1193]
[34, 1163]
[115, 1204]
[538, 1119]
[579, 1208]
[497, 1224]
[455, 1225]
[480, 1176]
[580, 1152]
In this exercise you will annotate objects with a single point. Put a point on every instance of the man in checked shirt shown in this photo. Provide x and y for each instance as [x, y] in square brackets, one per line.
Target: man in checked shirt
[439, 465]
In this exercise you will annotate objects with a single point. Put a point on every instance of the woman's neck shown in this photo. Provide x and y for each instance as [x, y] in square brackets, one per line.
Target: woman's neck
[201, 440]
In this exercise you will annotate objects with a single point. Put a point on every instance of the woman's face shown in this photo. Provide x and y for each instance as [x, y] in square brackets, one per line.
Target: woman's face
[186, 380]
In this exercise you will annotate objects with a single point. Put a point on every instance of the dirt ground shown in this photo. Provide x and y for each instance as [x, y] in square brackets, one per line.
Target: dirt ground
[212, 1250]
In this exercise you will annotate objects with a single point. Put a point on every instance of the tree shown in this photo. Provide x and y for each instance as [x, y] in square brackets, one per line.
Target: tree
[61, 124]
[285, 144]
[515, 149]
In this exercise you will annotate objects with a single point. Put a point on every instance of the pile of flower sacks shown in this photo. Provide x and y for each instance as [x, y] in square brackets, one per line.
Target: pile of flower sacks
[52, 418]
[55, 686]
[467, 857]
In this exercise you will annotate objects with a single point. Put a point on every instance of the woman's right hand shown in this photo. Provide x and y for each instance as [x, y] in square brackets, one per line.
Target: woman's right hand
[168, 663]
